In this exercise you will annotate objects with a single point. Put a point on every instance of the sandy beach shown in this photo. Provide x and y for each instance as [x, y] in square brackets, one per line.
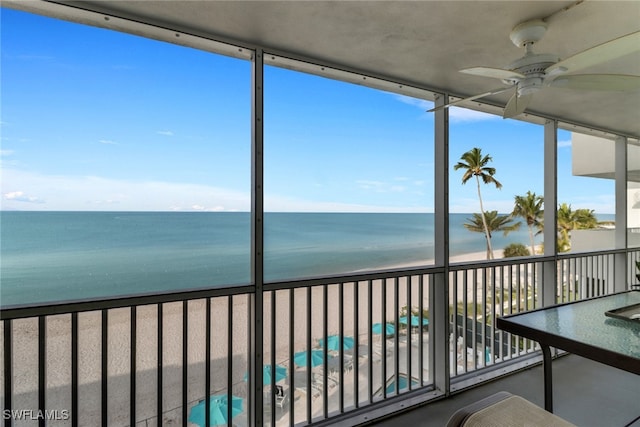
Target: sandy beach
[58, 348]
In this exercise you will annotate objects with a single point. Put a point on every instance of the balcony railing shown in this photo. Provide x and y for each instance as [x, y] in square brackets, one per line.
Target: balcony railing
[330, 347]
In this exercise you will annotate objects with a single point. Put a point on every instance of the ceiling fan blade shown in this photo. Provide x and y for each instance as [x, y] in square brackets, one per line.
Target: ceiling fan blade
[611, 82]
[471, 98]
[596, 55]
[516, 105]
[496, 73]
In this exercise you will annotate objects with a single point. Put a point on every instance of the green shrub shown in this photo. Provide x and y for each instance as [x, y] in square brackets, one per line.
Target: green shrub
[516, 249]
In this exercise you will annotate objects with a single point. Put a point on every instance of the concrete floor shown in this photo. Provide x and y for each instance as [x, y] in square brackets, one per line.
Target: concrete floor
[586, 393]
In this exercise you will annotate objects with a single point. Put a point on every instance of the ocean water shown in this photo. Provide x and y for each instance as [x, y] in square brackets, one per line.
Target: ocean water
[54, 256]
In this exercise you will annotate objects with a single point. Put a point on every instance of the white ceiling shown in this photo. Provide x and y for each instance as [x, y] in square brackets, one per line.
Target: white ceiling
[423, 43]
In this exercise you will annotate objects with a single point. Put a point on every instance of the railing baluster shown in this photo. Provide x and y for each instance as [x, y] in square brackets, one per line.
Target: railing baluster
[383, 356]
[273, 320]
[308, 364]
[185, 361]
[409, 343]
[291, 352]
[42, 363]
[74, 370]
[341, 344]
[207, 363]
[104, 368]
[133, 373]
[421, 342]
[230, 360]
[8, 369]
[356, 349]
[159, 369]
[325, 380]
[396, 346]
[370, 339]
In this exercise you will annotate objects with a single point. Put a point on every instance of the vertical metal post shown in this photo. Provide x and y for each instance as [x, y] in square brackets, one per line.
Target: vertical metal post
[74, 370]
[356, 350]
[159, 368]
[8, 369]
[325, 356]
[229, 357]
[370, 339]
[291, 364]
[439, 292]
[550, 273]
[207, 363]
[105, 372]
[42, 363]
[421, 343]
[185, 359]
[620, 259]
[273, 339]
[132, 374]
[341, 344]
[257, 240]
[310, 389]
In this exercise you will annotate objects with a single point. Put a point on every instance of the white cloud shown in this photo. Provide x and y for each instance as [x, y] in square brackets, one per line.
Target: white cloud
[4, 153]
[21, 196]
[275, 203]
[379, 186]
[564, 143]
[165, 132]
[107, 142]
[422, 104]
[57, 192]
[459, 115]
[456, 114]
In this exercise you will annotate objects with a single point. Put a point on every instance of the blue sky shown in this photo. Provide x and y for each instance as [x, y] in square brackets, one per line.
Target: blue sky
[97, 120]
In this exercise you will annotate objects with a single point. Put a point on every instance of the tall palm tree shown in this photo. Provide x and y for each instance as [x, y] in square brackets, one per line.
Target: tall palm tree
[529, 207]
[475, 164]
[494, 222]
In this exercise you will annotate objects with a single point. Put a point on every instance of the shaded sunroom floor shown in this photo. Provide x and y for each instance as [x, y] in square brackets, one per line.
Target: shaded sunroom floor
[586, 393]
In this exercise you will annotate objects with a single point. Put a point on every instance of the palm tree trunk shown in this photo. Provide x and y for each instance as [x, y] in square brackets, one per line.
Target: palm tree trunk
[533, 243]
[484, 223]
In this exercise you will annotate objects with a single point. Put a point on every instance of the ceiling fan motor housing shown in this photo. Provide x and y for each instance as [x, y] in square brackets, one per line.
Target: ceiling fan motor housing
[533, 67]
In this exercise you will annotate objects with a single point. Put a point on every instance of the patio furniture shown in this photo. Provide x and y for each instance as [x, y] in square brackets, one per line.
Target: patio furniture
[582, 328]
[504, 409]
[282, 396]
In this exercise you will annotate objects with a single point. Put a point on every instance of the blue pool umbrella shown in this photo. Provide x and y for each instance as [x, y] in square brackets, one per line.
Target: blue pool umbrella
[389, 328]
[280, 373]
[415, 320]
[333, 343]
[317, 357]
[218, 410]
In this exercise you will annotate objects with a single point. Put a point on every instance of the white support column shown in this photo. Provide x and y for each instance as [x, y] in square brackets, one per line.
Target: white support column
[549, 278]
[439, 295]
[620, 264]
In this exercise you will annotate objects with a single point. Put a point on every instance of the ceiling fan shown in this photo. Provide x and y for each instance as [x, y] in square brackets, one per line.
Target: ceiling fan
[536, 71]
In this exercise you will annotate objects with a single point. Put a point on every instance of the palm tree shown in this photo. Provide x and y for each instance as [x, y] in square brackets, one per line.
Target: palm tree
[529, 207]
[475, 164]
[494, 222]
[568, 220]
